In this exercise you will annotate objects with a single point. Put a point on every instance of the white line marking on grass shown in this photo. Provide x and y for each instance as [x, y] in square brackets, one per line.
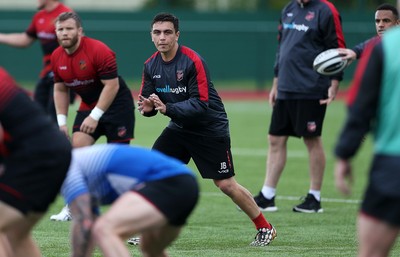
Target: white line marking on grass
[263, 152]
[294, 198]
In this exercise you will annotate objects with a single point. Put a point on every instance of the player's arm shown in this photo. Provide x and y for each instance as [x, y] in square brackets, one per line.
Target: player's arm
[82, 222]
[107, 96]
[361, 114]
[332, 92]
[145, 104]
[61, 102]
[16, 39]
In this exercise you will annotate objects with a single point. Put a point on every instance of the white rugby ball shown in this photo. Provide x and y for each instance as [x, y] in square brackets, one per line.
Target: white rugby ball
[329, 62]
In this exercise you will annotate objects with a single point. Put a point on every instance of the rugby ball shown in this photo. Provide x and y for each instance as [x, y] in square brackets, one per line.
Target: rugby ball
[329, 62]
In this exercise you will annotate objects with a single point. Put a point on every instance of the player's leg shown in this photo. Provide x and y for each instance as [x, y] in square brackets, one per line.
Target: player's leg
[376, 238]
[5, 247]
[379, 220]
[8, 217]
[155, 241]
[276, 160]
[280, 128]
[308, 124]
[317, 161]
[129, 214]
[15, 233]
[21, 238]
[80, 139]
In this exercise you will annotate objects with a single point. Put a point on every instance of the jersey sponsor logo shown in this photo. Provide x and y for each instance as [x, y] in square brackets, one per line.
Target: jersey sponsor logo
[294, 26]
[63, 67]
[179, 75]
[79, 82]
[168, 89]
[157, 76]
[289, 14]
[310, 16]
[46, 35]
[311, 126]
[82, 65]
[121, 131]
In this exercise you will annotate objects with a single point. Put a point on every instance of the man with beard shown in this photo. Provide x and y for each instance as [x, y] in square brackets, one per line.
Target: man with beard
[42, 29]
[88, 67]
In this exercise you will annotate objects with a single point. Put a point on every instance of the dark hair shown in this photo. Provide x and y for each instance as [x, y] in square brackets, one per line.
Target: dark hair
[389, 7]
[69, 15]
[166, 17]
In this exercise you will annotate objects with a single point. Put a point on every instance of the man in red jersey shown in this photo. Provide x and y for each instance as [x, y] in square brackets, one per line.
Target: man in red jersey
[31, 170]
[42, 29]
[88, 67]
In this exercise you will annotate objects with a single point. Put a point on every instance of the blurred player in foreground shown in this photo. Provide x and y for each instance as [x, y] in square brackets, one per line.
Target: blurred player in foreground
[34, 159]
[142, 187]
[88, 67]
[42, 29]
[375, 107]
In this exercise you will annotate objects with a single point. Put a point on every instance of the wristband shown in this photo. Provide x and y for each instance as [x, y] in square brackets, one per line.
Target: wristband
[96, 113]
[61, 120]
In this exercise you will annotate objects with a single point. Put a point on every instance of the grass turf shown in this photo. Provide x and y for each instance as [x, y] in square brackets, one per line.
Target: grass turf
[217, 228]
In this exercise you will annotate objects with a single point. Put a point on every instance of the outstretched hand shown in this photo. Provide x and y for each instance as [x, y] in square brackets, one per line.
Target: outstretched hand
[158, 104]
[343, 176]
[145, 104]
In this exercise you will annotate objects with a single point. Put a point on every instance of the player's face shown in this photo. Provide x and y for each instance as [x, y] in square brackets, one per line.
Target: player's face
[384, 19]
[164, 36]
[68, 35]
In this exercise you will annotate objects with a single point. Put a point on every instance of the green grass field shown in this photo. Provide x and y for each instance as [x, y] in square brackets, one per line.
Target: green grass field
[217, 228]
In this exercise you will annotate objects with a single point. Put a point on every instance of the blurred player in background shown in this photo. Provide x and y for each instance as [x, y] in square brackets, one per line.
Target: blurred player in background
[88, 67]
[375, 108]
[386, 16]
[142, 187]
[300, 95]
[34, 159]
[41, 28]
[176, 82]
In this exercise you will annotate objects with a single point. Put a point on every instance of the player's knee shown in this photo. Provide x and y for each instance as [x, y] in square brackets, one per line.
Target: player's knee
[227, 186]
[100, 230]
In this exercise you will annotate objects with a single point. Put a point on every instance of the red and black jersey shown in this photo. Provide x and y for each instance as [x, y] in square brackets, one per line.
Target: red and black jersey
[42, 28]
[8, 90]
[26, 127]
[83, 70]
[184, 86]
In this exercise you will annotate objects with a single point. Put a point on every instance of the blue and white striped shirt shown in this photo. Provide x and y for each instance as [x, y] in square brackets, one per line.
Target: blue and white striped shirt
[108, 170]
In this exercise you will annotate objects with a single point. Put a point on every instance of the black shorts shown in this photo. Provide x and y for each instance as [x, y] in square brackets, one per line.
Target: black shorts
[299, 118]
[175, 197]
[212, 155]
[33, 175]
[381, 206]
[117, 128]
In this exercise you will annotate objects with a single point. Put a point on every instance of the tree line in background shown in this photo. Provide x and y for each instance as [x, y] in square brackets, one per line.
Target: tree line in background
[252, 5]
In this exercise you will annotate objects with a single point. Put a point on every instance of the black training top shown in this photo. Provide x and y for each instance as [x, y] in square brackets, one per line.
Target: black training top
[184, 86]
